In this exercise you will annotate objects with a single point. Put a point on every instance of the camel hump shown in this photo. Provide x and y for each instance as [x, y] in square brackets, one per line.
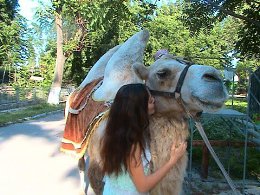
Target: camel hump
[98, 69]
[119, 69]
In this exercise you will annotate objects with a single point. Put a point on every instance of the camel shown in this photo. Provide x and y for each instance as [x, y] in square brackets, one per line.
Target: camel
[201, 89]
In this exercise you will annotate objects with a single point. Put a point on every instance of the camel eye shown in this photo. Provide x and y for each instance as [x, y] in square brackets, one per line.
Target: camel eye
[163, 73]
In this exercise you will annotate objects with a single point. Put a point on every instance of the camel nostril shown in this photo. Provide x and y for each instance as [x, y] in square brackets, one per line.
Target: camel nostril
[210, 77]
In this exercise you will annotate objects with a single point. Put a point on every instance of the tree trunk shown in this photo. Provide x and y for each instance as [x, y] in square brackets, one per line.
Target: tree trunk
[54, 94]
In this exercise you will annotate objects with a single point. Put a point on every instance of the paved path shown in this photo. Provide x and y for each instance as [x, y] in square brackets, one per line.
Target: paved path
[30, 161]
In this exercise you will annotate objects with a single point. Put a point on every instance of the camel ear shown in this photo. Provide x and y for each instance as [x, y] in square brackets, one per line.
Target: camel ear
[140, 70]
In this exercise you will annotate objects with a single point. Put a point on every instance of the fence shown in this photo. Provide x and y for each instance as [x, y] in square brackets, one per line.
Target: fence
[13, 98]
[234, 137]
[254, 94]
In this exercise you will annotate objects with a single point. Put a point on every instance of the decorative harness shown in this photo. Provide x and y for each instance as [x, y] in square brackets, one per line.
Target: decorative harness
[177, 93]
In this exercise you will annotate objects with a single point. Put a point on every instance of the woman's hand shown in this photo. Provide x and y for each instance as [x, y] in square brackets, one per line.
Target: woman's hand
[144, 183]
[177, 151]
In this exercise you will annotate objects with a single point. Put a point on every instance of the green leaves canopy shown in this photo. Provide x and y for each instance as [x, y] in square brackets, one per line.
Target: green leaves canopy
[15, 36]
[204, 14]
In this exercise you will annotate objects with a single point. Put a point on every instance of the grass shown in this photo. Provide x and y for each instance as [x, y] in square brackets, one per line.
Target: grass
[18, 115]
[241, 106]
[238, 104]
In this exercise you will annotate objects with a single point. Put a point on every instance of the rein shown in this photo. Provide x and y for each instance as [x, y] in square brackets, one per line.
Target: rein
[177, 95]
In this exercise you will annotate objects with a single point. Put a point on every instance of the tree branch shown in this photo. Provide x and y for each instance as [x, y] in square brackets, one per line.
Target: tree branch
[212, 4]
[80, 35]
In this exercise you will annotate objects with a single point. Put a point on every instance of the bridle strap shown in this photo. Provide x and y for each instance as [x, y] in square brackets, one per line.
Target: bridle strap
[162, 93]
[181, 80]
[177, 93]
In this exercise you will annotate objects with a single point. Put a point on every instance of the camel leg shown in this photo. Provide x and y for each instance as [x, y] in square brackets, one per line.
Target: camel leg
[95, 176]
[89, 190]
[82, 171]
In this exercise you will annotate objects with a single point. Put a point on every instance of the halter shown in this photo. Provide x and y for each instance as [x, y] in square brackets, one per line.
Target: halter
[177, 93]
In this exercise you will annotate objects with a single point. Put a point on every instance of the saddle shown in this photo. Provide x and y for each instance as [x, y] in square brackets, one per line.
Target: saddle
[84, 116]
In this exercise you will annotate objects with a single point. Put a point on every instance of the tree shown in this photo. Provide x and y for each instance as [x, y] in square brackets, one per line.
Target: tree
[15, 37]
[203, 14]
[95, 19]
[108, 23]
[8, 10]
[117, 21]
[76, 42]
[210, 47]
[60, 58]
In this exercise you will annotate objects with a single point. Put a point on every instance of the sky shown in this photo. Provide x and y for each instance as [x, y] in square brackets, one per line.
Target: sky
[27, 8]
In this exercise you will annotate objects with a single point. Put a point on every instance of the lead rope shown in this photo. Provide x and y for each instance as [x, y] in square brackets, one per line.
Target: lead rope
[205, 139]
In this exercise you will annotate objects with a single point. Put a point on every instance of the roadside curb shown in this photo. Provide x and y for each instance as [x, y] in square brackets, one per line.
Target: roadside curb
[31, 117]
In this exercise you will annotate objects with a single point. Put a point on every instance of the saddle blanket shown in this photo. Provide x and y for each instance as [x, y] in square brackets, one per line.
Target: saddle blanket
[83, 117]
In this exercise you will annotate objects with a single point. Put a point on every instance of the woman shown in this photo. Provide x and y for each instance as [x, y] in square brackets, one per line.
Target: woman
[124, 148]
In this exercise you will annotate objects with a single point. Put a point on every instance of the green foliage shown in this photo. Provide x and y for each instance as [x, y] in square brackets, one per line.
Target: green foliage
[46, 65]
[8, 9]
[243, 69]
[210, 47]
[15, 42]
[76, 72]
[108, 23]
[219, 129]
[91, 28]
[253, 163]
[168, 32]
[249, 34]
[15, 39]
[256, 118]
[142, 12]
[45, 69]
[111, 22]
[205, 14]
[22, 77]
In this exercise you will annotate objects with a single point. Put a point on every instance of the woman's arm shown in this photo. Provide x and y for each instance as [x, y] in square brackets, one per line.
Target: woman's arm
[145, 183]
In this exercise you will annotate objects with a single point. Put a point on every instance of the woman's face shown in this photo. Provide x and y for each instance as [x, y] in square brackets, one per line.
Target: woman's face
[151, 104]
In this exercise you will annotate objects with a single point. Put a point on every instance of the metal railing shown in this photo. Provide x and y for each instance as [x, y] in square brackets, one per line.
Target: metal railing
[10, 95]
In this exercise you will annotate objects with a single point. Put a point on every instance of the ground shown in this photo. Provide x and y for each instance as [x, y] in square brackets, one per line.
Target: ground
[31, 162]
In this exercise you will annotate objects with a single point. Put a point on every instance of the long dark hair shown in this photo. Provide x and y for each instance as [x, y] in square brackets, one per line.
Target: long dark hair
[127, 127]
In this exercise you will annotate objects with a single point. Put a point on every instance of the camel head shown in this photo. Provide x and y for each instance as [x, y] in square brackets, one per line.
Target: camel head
[202, 88]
